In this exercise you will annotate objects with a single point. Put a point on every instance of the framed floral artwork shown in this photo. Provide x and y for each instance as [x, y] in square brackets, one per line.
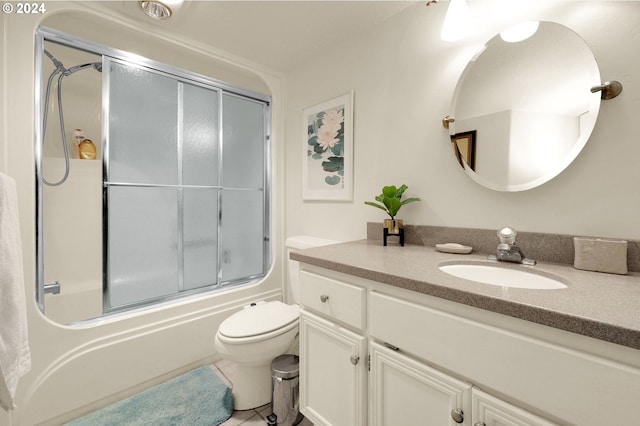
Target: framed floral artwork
[327, 165]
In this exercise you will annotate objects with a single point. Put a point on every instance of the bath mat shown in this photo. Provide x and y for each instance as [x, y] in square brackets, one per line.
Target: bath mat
[197, 398]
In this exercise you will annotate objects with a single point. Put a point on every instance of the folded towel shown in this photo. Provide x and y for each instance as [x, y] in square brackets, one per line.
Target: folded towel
[15, 356]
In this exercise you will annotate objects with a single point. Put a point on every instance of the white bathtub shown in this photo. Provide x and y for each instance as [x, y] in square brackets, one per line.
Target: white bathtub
[78, 369]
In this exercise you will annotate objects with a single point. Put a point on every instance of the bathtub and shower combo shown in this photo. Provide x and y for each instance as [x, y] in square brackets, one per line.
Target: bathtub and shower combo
[174, 211]
[176, 201]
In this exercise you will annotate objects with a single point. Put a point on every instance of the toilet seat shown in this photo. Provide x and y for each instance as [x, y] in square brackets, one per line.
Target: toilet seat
[259, 322]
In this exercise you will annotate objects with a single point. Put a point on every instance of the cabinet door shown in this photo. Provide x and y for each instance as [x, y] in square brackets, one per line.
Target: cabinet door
[407, 392]
[332, 373]
[491, 411]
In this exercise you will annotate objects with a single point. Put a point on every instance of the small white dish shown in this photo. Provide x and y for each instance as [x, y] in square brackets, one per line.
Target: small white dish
[454, 248]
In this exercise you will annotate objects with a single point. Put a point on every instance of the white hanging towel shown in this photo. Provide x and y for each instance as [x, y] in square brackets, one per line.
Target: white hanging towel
[15, 356]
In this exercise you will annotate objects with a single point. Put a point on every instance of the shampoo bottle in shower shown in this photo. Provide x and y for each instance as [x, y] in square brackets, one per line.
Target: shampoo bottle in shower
[87, 150]
[78, 137]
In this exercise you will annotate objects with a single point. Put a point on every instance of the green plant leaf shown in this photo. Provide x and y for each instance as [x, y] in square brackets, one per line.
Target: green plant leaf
[371, 203]
[389, 191]
[410, 200]
[393, 205]
[400, 191]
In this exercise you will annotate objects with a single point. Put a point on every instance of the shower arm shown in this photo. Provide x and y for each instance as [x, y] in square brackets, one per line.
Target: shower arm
[56, 62]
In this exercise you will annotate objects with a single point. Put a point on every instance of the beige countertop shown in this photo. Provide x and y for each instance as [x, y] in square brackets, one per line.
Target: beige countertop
[599, 305]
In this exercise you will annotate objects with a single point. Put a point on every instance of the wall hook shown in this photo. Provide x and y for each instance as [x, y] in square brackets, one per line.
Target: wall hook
[447, 120]
[608, 89]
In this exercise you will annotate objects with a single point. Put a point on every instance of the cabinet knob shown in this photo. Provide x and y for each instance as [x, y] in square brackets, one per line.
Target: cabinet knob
[354, 359]
[479, 424]
[324, 298]
[458, 415]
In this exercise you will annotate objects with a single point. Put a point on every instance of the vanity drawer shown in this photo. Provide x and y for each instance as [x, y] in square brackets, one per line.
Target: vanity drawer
[337, 300]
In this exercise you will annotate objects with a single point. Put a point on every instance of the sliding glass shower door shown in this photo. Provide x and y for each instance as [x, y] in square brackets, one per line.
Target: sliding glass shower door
[242, 237]
[184, 186]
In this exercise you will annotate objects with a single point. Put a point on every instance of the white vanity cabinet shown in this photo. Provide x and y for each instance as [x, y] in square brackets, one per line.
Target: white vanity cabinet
[333, 358]
[436, 362]
[488, 410]
[404, 391]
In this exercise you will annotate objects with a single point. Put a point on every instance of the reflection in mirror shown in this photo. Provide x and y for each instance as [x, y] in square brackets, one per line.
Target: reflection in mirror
[464, 148]
[529, 106]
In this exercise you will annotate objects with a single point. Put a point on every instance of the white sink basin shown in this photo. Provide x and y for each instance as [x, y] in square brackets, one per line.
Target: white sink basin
[504, 277]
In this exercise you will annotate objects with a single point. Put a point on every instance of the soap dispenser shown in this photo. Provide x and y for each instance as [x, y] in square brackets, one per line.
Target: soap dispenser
[87, 150]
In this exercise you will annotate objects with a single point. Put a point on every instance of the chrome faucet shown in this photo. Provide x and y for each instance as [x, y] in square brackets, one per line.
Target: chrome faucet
[508, 251]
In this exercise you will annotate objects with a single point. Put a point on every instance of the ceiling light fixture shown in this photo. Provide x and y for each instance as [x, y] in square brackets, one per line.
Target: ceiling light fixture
[160, 9]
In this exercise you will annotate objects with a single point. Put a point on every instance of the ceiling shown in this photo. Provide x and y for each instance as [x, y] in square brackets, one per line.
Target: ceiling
[277, 34]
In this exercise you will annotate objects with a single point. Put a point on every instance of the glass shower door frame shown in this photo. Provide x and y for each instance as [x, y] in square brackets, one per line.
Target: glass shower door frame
[110, 54]
[180, 186]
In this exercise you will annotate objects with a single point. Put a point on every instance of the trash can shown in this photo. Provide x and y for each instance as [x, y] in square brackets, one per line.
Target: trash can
[285, 390]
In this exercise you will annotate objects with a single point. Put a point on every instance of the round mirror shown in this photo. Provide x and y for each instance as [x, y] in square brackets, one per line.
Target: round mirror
[524, 108]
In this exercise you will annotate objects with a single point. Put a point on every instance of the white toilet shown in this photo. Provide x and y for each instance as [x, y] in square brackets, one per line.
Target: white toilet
[254, 336]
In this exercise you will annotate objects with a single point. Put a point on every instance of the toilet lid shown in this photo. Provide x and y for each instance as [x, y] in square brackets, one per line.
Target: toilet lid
[259, 319]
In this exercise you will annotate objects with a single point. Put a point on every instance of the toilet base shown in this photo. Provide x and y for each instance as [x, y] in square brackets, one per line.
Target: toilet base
[251, 386]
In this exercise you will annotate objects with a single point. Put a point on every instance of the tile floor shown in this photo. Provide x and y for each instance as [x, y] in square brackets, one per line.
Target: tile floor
[224, 369]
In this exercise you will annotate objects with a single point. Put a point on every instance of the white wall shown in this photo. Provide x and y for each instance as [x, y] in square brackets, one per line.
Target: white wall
[403, 77]
[79, 368]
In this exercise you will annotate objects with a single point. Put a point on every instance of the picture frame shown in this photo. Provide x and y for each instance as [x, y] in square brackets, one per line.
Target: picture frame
[327, 163]
[464, 148]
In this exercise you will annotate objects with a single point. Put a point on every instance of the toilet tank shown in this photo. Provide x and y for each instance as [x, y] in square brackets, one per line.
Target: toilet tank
[291, 289]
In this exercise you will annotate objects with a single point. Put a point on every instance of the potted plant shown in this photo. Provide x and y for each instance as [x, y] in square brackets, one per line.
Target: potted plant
[391, 201]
